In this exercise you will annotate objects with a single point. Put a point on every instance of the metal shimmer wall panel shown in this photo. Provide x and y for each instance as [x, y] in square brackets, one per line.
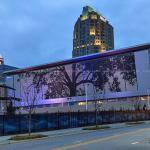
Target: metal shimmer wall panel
[113, 74]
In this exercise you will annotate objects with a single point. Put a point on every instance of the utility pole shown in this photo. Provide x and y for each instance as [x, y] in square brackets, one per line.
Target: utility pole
[148, 101]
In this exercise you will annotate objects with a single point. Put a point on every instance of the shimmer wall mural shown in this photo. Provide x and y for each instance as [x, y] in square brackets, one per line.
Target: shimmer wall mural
[103, 75]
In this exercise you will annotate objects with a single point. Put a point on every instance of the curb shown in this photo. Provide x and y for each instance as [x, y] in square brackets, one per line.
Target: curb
[48, 136]
[13, 142]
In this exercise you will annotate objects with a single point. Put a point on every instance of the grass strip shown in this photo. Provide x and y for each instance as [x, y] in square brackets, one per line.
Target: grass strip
[27, 137]
[96, 128]
[135, 122]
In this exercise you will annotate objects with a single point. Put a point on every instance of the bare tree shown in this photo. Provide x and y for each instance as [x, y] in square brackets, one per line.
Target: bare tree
[29, 95]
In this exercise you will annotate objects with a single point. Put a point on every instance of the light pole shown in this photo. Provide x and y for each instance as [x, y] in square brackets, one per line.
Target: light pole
[86, 94]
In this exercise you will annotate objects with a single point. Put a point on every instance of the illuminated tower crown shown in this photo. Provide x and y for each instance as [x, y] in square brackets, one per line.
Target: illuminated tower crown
[1, 60]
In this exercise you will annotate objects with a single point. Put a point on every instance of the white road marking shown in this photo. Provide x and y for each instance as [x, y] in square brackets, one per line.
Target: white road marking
[79, 141]
[135, 143]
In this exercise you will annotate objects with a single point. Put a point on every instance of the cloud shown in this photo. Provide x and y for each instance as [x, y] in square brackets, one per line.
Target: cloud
[40, 31]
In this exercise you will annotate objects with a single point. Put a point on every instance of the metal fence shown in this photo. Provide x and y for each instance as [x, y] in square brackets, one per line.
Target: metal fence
[16, 124]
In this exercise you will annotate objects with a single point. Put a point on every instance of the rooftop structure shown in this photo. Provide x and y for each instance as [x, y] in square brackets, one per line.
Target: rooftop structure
[92, 33]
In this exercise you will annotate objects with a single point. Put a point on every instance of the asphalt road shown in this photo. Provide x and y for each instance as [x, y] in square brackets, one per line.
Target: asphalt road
[128, 138]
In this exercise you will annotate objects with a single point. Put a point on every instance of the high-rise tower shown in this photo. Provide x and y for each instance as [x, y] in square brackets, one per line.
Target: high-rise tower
[1, 60]
[92, 33]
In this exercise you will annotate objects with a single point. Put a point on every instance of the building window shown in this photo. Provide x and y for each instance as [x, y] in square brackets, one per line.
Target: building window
[97, 42]
[84, 18]
[82, 103]
[93, 17]
[92, 31]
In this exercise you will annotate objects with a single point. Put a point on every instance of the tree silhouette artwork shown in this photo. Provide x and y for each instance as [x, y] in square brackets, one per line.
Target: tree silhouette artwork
[109, 74]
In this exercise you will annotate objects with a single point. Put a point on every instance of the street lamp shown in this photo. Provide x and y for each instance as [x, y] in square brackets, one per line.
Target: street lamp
[86, 94]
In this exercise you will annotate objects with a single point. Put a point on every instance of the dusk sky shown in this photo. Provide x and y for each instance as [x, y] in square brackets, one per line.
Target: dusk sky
[34, 32]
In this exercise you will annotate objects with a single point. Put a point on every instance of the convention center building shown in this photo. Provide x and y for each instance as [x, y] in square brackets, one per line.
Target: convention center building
[112, 80]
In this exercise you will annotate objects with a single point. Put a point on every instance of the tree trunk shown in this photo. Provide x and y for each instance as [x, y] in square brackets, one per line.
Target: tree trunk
[96, 119]
[29, 126]
[72, 90]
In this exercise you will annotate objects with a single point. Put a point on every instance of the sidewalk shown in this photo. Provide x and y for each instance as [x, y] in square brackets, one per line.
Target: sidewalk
[57, 133]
